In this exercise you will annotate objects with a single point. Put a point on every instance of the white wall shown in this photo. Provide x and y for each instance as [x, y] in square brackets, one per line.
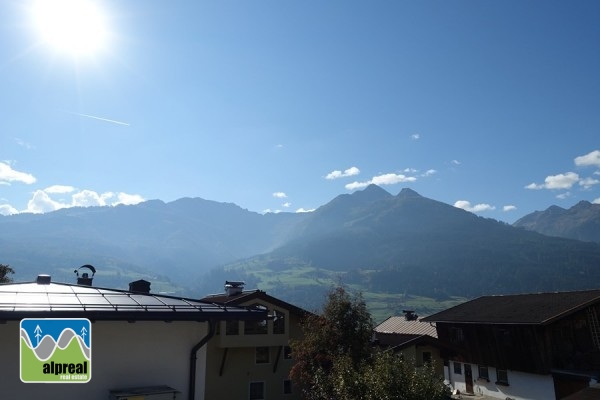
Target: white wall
[522, 386]
[123, 355]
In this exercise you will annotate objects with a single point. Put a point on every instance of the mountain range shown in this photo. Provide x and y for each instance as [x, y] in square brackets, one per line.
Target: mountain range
[580, 222]
[370, 239]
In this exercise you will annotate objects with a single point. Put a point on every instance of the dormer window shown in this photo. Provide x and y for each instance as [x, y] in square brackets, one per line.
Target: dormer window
[256, 327]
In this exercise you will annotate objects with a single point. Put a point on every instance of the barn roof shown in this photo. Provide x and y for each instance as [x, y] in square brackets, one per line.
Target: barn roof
[538, 308]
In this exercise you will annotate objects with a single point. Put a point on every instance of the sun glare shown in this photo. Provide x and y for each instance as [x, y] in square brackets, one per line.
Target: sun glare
[76, 27]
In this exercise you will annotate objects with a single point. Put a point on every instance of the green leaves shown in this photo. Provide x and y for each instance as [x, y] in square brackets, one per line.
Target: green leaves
[336, 359]
[5, 270]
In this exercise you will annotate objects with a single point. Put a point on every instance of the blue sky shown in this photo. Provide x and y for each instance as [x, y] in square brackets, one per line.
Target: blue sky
[493, 106]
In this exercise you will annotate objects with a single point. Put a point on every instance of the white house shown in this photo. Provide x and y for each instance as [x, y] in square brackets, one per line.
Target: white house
[138, 339]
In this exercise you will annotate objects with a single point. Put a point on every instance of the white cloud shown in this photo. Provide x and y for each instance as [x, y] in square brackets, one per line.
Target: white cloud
[286, 205]
[391, 179]
[509, 208]
[41, 202]
[597, 201]
[88, 198]
[385, 179]
[455, 162]
[564, 195]
[279, 195]
[7, 209]
[415, 136]
[128, 199]
[592, 158]
[7, 174]
[339, 174]
[466, 205]
[59, 189]
[303, 210]
[410, 170]
[588, 182]
[560, 181]
[429, 172]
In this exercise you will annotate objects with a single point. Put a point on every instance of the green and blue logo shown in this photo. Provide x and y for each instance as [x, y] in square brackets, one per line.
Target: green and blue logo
[56, 350]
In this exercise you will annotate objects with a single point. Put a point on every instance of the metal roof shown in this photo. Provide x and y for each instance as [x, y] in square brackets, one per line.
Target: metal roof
[399, 325]
[249, 295]
[538, 308]
[61, 300]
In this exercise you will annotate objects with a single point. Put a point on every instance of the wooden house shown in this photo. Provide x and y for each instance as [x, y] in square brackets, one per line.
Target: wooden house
[527, 346]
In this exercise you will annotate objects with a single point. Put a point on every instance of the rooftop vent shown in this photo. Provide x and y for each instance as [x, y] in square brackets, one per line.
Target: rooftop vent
[233, 288]
[43, 279]
[85, 278]
[410, 315]
[139, 286]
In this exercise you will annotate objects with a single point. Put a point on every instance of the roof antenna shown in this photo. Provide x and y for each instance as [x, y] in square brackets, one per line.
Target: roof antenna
[85, 278]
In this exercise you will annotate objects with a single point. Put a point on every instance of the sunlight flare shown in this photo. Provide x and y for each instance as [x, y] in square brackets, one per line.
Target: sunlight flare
[75, 27]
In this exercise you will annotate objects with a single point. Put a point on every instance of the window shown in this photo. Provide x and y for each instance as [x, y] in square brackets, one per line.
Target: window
[502, 377]
[257, 391]
[287, 353]
[426, 357]
[256, 327]
[287, 387]
[483, 373]
[262, 355]
[457, 335]
[232, 328]
[457, 368]
[278, 322]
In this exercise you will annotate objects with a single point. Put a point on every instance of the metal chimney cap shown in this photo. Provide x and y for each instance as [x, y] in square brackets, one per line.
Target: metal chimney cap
[43, 279]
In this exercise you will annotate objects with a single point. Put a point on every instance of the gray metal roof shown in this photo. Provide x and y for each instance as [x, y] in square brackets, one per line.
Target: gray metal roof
[61, 300]
[399, 325]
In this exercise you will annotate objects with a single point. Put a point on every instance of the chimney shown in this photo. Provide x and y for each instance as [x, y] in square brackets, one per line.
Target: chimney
[233, 288]
[410, 315]
[85, 279]
[43, 279]
[139, 286]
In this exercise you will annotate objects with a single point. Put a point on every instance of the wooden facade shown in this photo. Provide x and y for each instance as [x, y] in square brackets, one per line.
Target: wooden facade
[550, 334]
[566, 344]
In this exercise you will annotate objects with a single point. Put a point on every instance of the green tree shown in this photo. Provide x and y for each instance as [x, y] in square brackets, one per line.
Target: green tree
[5, 270]
[336, 359]
[344, 327]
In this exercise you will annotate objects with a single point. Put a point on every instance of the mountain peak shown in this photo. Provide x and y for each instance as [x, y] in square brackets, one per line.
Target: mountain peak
[372, 192]
[555, 210]
[583, 204]
[408, 193]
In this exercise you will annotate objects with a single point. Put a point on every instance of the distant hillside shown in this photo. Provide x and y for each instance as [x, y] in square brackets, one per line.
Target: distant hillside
[580, 222]
[411, 244]
[393, 248]
[175, 241]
